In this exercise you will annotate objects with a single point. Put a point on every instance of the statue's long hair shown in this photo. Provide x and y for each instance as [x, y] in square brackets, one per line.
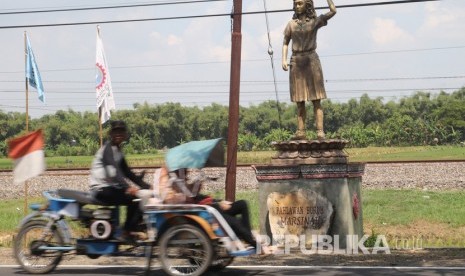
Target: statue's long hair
[309, 13]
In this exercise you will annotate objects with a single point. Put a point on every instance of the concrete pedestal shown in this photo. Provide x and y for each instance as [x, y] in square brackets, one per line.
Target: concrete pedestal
[338, 183]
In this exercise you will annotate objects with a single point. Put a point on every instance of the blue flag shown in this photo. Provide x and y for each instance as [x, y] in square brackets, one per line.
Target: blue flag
[32, 71]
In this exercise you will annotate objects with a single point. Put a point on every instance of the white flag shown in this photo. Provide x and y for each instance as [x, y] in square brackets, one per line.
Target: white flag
[105, 100]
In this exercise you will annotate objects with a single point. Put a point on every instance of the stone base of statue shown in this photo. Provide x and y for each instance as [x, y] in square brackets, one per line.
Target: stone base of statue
[311, 192]
[326, 151]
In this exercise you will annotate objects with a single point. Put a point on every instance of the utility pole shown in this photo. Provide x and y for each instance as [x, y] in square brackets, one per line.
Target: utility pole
[234, 91]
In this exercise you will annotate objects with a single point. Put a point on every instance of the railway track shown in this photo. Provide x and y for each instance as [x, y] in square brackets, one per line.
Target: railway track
[424, 175]
[80, 169]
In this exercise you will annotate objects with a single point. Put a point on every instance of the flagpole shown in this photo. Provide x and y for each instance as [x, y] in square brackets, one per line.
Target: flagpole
[99, 108]
[100, 127]
[27, 116]
[27, 86]
[25, 197]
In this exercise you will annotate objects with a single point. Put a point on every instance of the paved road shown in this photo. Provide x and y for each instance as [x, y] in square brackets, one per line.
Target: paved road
[251, 270]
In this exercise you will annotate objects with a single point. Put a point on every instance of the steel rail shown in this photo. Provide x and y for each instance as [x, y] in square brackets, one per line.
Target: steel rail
[84, 170]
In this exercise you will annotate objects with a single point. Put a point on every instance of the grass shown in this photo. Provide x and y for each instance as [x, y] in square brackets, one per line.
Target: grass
[445, 207]
[421, 153]
[70, 162]
[417, 218]
[436, 218]
[12, 213]
[369, 154]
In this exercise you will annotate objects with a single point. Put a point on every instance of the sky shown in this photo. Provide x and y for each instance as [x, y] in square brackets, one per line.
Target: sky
[388, 51]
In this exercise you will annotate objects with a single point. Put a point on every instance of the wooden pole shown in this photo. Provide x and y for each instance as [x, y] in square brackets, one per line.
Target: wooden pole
[235, 82]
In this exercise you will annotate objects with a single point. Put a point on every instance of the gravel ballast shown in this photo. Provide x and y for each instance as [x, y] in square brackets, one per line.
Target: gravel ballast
[413, 175]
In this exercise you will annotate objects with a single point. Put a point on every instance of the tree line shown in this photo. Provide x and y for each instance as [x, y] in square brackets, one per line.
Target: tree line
[421, 119]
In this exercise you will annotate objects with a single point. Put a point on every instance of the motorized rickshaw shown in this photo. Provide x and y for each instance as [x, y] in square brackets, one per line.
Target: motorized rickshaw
[188, 239]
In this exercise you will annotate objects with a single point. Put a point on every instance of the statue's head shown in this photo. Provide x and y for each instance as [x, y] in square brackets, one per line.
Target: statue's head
[309, 11]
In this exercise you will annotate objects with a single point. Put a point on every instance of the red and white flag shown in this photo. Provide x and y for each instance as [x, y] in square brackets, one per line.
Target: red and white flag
[28, 154]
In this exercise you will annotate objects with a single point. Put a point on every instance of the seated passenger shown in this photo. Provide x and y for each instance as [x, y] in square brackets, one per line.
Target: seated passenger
[108, 175]
[183, 186]
[165, 188]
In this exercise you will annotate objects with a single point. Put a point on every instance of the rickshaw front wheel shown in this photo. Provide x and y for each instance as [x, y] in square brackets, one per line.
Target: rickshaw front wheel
[27, 247]
[185, 250]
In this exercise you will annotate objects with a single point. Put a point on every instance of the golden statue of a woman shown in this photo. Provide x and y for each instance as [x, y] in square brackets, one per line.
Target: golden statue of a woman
[306, 76]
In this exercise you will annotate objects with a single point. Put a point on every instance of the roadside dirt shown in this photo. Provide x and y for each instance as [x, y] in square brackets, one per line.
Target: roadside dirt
[420, 234]
[444, 257]
[406, 242]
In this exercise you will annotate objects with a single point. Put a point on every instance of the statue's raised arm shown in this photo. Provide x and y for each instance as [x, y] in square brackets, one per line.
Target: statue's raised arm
[332, 10]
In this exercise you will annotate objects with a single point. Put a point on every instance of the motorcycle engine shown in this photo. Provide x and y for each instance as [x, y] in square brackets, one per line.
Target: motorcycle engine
[100, 227]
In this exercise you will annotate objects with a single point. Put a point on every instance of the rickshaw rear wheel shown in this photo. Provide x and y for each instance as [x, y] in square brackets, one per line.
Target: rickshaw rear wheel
[185, 250]
[27, 249]
[221, 263]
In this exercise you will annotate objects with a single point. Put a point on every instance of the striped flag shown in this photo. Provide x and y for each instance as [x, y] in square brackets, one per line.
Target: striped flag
[32, 71]
[105, 100]
[28, 155]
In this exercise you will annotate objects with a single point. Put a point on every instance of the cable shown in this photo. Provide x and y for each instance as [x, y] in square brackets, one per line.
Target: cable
[196, 103]
[270, 53]
[162, 94]
[396, 79]
[201, 16]
[109, 7]
[393, 51]
[256, 81]
[378, 4]
[244, 60]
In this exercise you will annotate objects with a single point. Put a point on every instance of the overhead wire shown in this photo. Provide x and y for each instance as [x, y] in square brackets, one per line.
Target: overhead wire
[244, 60]
[397, 79]
[342, 80]
[109, 7]
[270, 53]
[60, 106]
[202, 16]
[254, 81]
[199, 93]
[393, 51]
[200, 1]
